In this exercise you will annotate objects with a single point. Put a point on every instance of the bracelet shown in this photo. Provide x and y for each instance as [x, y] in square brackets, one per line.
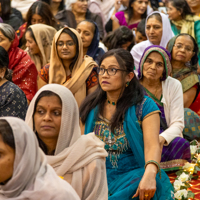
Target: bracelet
[155, 163]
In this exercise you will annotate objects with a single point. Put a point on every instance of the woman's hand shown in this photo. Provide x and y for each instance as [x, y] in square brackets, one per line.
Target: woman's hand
[146, 188]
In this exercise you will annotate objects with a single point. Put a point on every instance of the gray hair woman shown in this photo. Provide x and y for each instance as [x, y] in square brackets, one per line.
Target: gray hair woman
[24, 70]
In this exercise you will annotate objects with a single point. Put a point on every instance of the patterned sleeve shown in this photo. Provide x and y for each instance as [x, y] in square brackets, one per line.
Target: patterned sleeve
[44, 73]
[25, 77]
[14, 102]
[92, 79]
[146, 108]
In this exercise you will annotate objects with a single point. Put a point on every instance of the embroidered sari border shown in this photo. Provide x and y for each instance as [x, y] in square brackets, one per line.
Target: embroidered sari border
[173, 164]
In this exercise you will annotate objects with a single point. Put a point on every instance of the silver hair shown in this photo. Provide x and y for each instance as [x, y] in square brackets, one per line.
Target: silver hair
[7, 31]
[68, 4]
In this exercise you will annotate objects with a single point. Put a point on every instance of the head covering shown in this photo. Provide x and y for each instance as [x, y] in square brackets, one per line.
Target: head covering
[32, 177]
[94, 46]
[165, 55]
[74, 152]
[81, 69]
[167, 34]
[194, 60]
[44, 35]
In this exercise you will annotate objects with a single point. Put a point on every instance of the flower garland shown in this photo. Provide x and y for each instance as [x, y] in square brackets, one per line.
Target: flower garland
[187, 173]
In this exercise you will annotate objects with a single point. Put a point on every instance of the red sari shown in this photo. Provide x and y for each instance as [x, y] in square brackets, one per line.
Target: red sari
[24, 69]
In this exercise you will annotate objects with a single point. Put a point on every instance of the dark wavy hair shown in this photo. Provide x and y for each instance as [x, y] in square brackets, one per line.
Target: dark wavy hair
[7, 134]
[117, 38]
[131, 12]
[46, 93]
[5, 9]
[44, 10]
[74, 38]
[130, 95]
[182, 6]
[61, 7]
[4, 62]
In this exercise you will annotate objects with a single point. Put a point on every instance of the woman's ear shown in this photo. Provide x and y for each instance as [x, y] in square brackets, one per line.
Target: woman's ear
[130, 76]
[2, 72]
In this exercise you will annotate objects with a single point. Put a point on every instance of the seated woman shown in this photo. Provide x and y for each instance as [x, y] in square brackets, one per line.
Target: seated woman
[111, 113]
[120, 38]
[54, 116]
[158, 31]
[167, 93]
[68, 67]
[136, 11]
[183, 20]
[184, 50]
[8, 16]
[13, 101]
[24, 70]
[25, 173]
[89, 33]
[39, 39]
[38, 13]
[79, 12]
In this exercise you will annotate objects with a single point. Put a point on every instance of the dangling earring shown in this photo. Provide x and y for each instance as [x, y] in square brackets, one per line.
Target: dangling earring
[188, 64]
[127, 84]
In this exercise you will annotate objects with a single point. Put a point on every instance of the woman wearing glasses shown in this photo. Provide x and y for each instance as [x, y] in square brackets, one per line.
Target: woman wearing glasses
[68, 67]
[136, 11]
[183, 20]
[184, 50]
[111, 112]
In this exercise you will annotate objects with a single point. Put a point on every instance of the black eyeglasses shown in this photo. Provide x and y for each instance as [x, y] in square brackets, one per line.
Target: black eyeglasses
[110, 71]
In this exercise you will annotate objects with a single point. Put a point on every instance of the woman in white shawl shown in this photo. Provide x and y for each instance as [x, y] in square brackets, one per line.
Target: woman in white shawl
[54, 116]
[24, 172]
[158, 31]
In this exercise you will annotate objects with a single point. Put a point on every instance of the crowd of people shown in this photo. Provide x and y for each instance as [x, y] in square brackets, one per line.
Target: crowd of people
[98, 98]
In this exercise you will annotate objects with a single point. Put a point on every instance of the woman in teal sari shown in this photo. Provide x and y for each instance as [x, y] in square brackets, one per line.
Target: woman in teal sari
[132, 144]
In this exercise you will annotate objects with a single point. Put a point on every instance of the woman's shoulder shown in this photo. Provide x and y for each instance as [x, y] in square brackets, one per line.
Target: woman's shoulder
[13, 89]
[120, 14]
[44, 73]
[170, 81]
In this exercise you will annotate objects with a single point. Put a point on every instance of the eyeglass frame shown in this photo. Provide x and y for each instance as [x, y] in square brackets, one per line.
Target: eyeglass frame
[106, 70]
[175, 45]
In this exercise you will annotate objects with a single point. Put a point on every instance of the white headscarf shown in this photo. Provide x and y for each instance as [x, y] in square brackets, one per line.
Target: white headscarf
[167, 34]
[32, 177]
[83, 157]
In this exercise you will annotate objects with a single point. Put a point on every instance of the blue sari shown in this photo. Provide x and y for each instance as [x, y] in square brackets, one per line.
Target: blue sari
[124, 179]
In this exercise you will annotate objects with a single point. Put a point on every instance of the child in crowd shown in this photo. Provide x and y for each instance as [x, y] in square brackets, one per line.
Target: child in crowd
[140, 34]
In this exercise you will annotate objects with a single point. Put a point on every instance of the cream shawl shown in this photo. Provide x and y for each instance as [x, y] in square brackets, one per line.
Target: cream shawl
[32, 177]
[81, 70]
[44, 35]
[80, 159]
[187, 24]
